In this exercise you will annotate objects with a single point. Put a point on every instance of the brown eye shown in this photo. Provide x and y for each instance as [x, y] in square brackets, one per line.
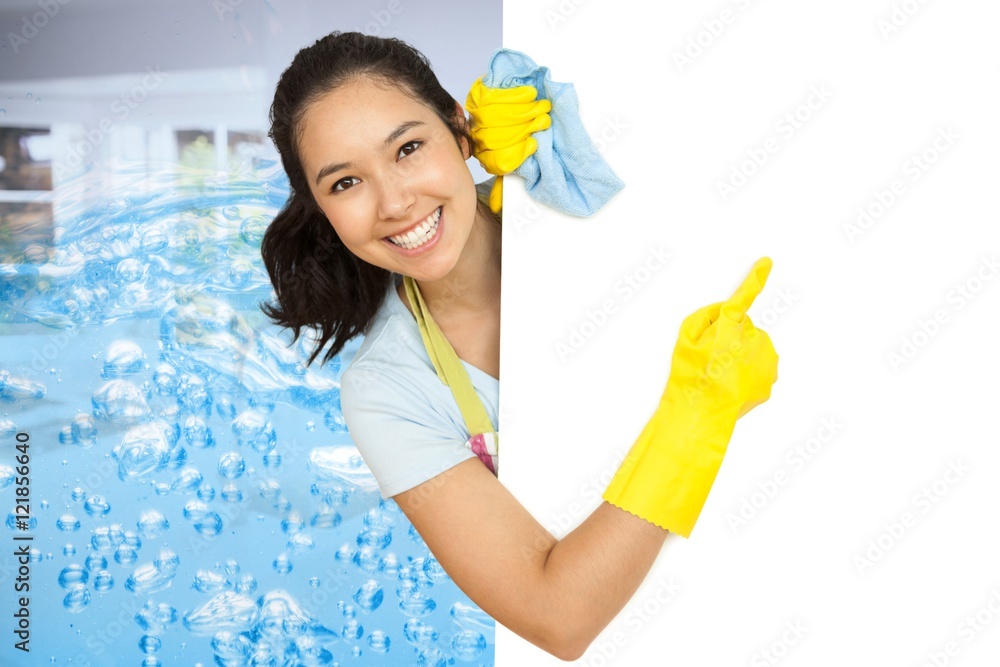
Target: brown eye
[408, 148]
[346, 182]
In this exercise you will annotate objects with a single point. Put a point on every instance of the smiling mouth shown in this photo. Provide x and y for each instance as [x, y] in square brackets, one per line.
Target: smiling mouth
[420, 234]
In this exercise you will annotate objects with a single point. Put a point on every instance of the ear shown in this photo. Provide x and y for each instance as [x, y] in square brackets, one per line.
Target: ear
[462, 124]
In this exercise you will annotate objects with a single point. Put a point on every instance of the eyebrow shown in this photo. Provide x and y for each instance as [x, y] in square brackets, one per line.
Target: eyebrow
[395, 134]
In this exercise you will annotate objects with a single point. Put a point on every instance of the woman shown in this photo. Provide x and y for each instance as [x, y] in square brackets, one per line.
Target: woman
[375, 152]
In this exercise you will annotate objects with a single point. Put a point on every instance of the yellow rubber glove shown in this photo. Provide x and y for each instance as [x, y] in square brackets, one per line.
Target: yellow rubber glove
[722, 367]
[503, 120]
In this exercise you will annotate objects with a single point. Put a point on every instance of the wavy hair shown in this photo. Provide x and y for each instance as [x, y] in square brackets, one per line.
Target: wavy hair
[318, 283]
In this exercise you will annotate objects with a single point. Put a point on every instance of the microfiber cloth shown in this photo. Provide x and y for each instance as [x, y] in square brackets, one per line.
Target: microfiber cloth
[566, 172]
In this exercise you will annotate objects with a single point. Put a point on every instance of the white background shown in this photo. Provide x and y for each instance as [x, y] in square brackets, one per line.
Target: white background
[672, 133]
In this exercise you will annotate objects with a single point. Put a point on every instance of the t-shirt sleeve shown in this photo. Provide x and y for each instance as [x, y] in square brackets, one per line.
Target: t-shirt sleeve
[400, 435]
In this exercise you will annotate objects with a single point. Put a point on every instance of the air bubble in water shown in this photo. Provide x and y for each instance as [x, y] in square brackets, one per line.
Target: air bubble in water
[352, 630]
[152, 524]
[369, 595]
[130, 270]
[252, 428]
[120, 400]
[225, 611]
[231, 465]
[96, 562]
[300, 543]
[231, 648]
[431, 657]
[468, 645]
[195, 509]
[245, 584]
[378, 537]
[167, 561]
[148, 578]
[282, 565]
[124, 357]
[125, 554]
[292, 524]
[16, 389]
[239, 274]
[418, 633]
[252, 230]
[83, 430]
[77, 599]
[225, 408]
[417, 604]
[389, 564]
[325, 518]
[154, 618]
[71, 575]
[269, 489]
[209, 525]
[434, 571]
[97, 506]
[334, 420]
[149, 644]
[100, 538]
[165, 380]
[68, 523]
[193, 395]
[103, 581]
[379, 642]
[188, 480]
[144, 450]
[207, 581]
[197, 433]
[281, 615]
[232, 493]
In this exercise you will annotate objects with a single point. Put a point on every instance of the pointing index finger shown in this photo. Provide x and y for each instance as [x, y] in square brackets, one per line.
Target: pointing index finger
[735, 308]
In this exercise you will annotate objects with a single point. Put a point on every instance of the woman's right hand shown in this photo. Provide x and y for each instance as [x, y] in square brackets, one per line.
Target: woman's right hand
[721, 359]
[722, 367]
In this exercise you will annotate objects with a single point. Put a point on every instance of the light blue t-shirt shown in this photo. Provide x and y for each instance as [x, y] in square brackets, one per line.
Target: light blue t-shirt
[403, 419]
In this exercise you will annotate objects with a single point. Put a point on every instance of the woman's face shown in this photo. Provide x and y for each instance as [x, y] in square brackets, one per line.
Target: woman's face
[381, 164]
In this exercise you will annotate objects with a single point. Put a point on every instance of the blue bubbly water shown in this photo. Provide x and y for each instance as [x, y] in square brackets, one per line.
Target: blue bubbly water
[196, 497]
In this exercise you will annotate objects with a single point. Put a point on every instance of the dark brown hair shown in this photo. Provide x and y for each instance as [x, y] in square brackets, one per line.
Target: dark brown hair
[317, 281]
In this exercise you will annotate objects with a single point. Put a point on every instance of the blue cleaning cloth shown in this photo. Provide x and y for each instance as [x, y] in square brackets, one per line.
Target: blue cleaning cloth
[566, 172]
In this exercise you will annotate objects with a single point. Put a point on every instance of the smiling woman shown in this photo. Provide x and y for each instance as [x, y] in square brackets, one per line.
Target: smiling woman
[375, 151]
[399, 174]
[374, 148]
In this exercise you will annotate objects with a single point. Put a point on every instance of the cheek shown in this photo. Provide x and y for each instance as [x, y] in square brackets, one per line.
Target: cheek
[436, 167]
[349, 222]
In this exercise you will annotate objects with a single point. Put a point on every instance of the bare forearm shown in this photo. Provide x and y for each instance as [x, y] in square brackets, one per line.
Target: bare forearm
[594, 570]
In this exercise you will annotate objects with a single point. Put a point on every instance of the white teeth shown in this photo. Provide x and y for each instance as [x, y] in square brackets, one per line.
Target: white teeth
[420, 234]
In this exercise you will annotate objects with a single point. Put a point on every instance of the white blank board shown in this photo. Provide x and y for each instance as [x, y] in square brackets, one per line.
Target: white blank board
[854, 520]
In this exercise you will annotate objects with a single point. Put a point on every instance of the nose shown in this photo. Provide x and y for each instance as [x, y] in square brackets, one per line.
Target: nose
[394, 197]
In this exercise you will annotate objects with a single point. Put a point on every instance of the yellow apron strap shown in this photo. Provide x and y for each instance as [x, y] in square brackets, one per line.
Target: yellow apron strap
[447, 364]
